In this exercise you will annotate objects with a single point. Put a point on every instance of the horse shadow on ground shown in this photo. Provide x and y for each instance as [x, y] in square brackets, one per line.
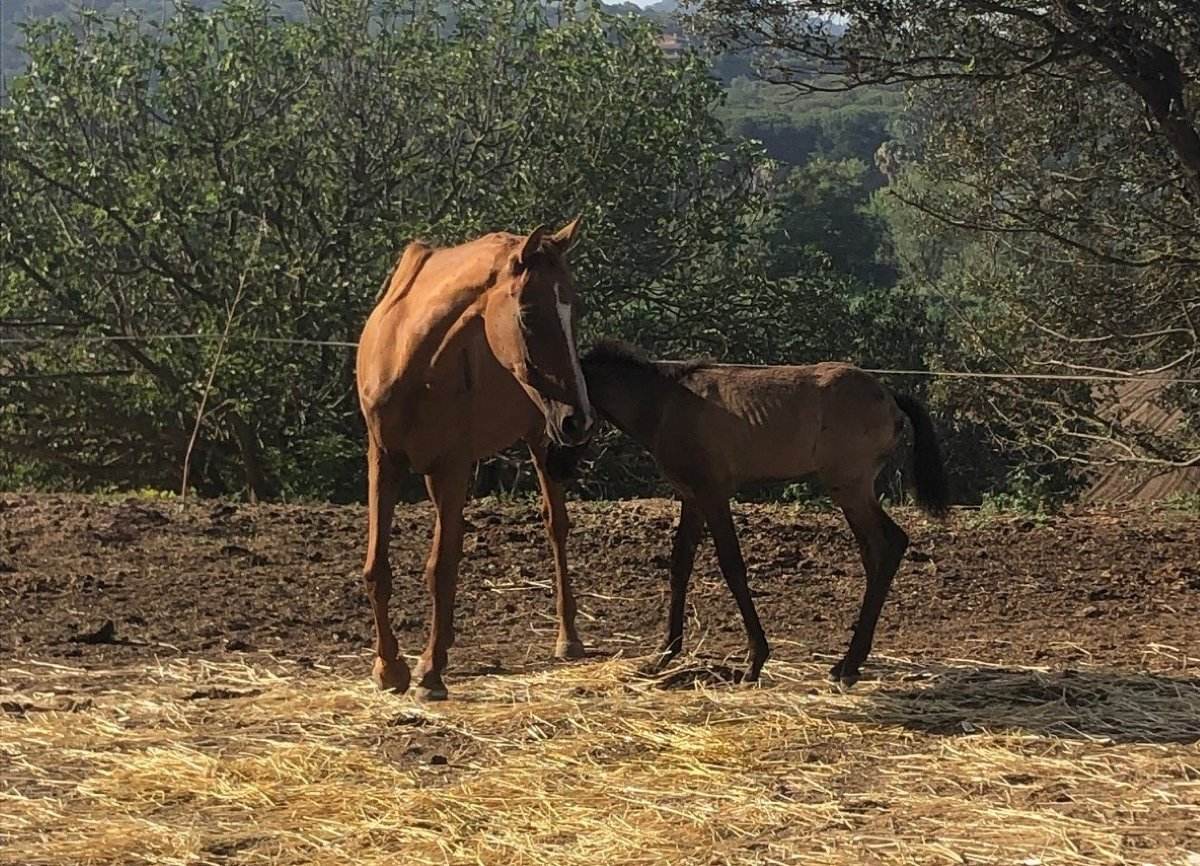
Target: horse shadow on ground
[695, 674]
[1125, 707]
[959, 699]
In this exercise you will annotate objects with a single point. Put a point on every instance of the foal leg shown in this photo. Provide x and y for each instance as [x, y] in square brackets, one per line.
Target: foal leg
[558, 524]
[390, 671]
[882, 544]
[448, 490]
[729, 555]
[683, 557]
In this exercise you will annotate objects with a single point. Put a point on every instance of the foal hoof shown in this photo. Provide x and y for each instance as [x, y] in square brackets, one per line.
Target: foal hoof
[569, 649]
[391, 676]
[655, 666]
[423, 694]
[844, 673]
[430, 691]
[429, 685]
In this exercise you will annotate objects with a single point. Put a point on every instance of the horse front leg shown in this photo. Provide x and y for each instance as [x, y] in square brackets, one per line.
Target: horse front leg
[683, 558]
[447, 488]
[733, 567]
[558, 525]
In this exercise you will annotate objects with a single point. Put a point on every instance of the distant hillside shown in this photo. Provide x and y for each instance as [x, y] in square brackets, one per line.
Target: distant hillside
[13, 13]
[847, 125]
[835, 126]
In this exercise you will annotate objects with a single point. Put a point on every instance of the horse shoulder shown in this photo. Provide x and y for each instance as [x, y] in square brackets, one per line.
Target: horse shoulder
[698, 436]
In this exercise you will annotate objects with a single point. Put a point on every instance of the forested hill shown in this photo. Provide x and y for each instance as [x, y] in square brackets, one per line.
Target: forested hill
[835, 126]
[13, 13]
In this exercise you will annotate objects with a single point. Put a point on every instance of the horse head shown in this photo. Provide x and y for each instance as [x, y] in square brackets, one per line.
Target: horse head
[530, 325]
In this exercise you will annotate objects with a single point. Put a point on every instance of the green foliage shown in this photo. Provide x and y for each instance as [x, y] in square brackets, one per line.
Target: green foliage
[245, 168]
[141, 494]
[1050, 181]
[1184, 503]
[794, 130]
[15, 14]
[1025, 494]
[260, 167]
[822, 208]
[153, 172]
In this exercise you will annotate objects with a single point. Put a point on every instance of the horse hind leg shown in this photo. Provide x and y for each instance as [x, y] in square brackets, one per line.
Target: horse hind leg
[881, 544]
[390, 672]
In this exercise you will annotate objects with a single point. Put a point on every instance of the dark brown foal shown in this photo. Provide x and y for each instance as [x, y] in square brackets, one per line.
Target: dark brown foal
[714, 427]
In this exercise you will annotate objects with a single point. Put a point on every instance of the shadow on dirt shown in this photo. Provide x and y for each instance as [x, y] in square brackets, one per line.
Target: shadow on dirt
[1116, 706]
[697, 674]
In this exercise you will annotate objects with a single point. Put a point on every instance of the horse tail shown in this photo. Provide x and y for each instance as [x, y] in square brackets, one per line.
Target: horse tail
[933, 489]
[405, 271]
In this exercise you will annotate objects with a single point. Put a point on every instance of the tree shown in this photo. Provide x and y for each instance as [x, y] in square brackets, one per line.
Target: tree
[1063, 136]
[839, 126]
[152, 171]
[824, 207]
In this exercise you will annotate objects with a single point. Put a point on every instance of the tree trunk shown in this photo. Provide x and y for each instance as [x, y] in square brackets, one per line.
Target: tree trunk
[261, 487]
[1155, 75]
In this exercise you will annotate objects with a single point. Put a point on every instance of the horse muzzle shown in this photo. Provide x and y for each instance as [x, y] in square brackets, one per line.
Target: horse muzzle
[569, 426]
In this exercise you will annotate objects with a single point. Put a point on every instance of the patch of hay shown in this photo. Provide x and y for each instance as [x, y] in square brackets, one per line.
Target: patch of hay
[198, 762]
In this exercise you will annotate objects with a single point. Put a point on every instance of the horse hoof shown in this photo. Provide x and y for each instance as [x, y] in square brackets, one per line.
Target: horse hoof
[654, 667]
[429, 685]
[431, 693]
[391, 676]
[569, 649]
[843, 674]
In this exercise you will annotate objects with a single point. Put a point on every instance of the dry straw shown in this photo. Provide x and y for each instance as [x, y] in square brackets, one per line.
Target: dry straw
[197, 762]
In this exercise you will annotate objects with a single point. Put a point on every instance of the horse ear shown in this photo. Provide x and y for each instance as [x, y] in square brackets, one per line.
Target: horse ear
[530, 246]
[564, 238]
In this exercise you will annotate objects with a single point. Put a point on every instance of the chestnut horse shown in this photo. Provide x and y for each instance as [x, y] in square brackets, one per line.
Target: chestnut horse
[714, 427]
[468, 350]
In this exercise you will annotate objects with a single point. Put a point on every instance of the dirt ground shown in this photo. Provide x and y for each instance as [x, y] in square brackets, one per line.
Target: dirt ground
[188, 683]
[219, 580]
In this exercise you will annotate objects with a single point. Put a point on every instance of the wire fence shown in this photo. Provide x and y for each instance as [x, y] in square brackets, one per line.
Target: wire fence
[153, 338]
[1156, 376]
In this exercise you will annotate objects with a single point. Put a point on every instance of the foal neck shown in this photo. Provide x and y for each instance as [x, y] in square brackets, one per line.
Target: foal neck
[631, 396]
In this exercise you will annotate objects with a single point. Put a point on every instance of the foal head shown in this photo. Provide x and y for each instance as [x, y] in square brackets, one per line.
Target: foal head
[530, 325]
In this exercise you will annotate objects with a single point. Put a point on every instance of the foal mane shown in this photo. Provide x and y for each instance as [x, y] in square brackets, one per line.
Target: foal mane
[618, 353]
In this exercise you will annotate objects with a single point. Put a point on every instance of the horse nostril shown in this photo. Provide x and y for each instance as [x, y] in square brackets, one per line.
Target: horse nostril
[574, 426]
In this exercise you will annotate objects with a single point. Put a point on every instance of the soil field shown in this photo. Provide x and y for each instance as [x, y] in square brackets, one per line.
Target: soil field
[188, 684]
[215, 579]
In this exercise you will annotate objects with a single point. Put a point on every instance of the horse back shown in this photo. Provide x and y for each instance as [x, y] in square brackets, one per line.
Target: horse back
[739, 424]
[428, 290]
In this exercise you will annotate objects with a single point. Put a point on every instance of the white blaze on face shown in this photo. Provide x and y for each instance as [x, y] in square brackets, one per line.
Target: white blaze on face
[564, 316]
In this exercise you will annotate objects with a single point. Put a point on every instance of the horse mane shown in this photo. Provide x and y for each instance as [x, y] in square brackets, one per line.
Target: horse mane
[618, 353]
[404, 272]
